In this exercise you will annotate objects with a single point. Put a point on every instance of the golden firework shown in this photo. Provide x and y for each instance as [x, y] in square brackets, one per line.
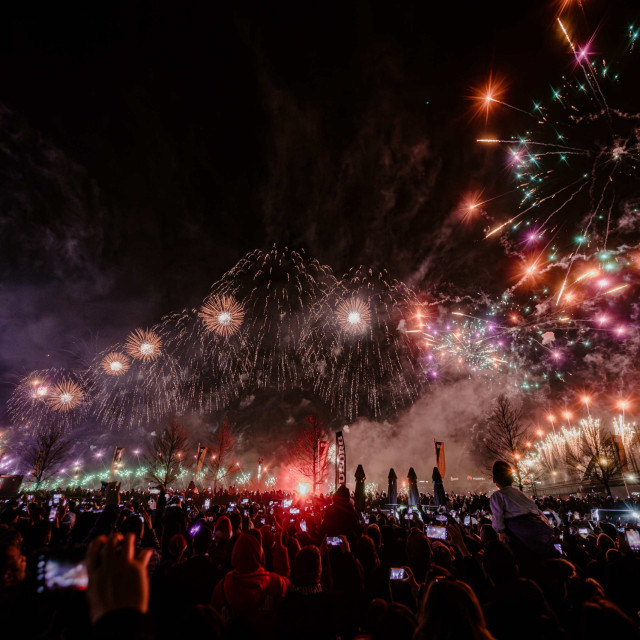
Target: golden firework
[222, 315]
[353, 315]
[65, 395]
[115, 364]
[143, 344]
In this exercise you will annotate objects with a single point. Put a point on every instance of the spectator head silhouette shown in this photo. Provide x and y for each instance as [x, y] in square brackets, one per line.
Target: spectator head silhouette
[307, 569]
[502, 473]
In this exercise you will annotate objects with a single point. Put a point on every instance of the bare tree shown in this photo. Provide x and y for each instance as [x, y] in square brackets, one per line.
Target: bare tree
[46, 450]
[505, 434]
[222, 449]
[309, 452]
[165, 452]
[597, 457]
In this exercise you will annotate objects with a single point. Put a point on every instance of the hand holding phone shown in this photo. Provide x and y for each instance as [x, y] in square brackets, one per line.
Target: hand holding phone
[436, 533]
[398, 573]
[633, 539]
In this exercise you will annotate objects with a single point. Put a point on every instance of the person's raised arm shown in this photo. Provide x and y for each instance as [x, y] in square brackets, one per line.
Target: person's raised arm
[118, 590]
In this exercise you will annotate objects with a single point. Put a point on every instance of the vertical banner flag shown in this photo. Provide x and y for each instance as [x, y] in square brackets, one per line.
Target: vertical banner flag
[440, 462]
[202, 454]
[341, 460]
[117, 459]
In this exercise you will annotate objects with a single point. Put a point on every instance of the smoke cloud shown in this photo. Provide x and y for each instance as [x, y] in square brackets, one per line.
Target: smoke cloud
[446, 413]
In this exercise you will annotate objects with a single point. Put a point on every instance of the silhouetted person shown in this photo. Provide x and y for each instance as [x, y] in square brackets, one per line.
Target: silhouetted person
[439, 496]
[516, 517]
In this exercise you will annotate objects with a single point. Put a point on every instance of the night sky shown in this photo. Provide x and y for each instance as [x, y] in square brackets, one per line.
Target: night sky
[146, 146]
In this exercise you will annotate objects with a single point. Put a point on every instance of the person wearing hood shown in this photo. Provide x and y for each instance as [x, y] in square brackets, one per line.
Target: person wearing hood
[340, 517]
[307, 600]
[248, 595]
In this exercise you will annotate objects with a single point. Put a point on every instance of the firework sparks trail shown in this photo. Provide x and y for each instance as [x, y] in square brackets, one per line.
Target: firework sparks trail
[358, 346]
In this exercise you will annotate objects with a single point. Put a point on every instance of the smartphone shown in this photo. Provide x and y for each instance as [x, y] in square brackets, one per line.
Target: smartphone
[53, 513]
[334, 541]
[230, 508]
[409, 511]
[633, 539]
[262, 520]
[141, 519]
[303, 525]
[56, 498]
[294, 510]
[64, 570]
[584, 532]
[442, 518]
[286, 503]
[397, 573]
[207, 504]
[245, 501]
[467, 521]
[559, 549]
[437, 533]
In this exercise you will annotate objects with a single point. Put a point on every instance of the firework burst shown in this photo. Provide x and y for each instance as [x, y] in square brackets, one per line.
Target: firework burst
[575, 168]
[146, 395]
[209, 367]
[115, 364]
[143, 344]
[222, 315]
[65, 396]
[278, 289]
[360, 354]
[34, 398]
[353, 315]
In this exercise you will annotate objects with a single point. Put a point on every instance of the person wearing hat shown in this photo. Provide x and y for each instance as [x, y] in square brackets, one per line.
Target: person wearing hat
[340, 517]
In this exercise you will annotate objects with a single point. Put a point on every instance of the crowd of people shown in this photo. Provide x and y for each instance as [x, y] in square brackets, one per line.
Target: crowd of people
[273, 565]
